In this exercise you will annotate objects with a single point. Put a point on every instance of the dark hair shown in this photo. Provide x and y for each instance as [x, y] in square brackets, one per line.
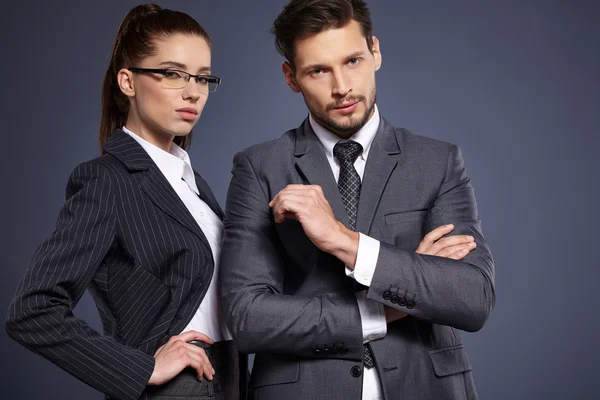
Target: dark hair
[303, 18]
[136, 39]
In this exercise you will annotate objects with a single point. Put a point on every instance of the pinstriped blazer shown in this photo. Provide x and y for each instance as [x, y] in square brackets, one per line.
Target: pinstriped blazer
[125, 235]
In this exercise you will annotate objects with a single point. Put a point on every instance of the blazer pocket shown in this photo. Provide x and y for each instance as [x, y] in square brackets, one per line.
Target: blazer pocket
[450, 360]
[274, 371]
[138, 302]
[395, 217]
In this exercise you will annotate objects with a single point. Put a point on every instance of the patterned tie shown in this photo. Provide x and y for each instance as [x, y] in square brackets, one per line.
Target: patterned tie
[349, 180]
[349, 187]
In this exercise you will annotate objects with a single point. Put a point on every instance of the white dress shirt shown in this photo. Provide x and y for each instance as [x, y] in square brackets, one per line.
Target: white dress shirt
[372, 313]
[176, 166]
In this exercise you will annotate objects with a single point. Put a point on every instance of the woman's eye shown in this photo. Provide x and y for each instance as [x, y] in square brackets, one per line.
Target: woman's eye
[172, 75]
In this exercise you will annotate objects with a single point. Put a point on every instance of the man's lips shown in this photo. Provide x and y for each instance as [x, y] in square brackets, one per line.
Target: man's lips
[344, 106]
[346, 109]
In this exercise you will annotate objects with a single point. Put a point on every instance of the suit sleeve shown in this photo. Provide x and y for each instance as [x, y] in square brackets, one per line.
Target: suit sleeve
[442, 291]
[260, 316]
[40, 316]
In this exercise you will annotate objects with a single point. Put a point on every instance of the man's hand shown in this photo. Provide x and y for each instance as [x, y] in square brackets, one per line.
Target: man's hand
[177, 354]
[455, 247]
[307, 204]
[434, 244]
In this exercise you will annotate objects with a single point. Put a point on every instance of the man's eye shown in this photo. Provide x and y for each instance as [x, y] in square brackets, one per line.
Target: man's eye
[202, 80]
[353, 61]
[317, 72]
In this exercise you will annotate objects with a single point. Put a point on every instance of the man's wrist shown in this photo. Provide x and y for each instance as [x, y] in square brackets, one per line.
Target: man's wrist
[344, 245]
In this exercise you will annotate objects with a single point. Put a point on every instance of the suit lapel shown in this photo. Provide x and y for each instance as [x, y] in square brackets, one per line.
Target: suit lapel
[158, 189]
[312, 164]
[154, 184]
[207, 195]
[382, 160]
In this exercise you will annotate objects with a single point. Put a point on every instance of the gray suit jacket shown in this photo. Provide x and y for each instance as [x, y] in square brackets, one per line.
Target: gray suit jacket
[293, 305]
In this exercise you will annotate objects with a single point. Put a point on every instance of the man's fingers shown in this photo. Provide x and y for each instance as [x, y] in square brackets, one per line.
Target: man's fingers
[308, 190]
[288, 205]
[274, 200]
[460, 254]
[457, 249]
[302, 187]
[450, 241]
[432, 236]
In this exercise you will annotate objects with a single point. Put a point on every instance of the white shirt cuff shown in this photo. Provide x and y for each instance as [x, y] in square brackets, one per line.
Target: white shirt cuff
[366, 260]
[372, 317]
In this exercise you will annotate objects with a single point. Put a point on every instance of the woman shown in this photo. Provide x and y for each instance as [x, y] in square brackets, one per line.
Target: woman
[141, 230]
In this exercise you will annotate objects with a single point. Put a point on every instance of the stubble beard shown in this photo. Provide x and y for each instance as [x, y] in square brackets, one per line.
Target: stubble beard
[348, 129]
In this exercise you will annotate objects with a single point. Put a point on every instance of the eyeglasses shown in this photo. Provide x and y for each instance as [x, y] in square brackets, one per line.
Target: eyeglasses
[174, 78]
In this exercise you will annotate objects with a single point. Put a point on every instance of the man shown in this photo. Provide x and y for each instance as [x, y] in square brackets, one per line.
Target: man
[321, 278]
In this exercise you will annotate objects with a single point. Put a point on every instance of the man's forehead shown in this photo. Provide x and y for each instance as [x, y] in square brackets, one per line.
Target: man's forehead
[331, 43]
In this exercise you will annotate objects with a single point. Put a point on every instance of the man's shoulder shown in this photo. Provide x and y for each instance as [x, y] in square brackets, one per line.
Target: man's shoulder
[282, 147]
[407, 140]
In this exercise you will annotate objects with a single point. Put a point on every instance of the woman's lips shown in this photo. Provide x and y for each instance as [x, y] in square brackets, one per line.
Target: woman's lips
[189, 114]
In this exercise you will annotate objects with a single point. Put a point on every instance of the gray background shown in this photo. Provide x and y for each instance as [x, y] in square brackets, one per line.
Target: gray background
[514, 84]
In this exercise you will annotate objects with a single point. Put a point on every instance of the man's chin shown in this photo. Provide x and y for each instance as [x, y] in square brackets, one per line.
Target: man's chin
[346, 124]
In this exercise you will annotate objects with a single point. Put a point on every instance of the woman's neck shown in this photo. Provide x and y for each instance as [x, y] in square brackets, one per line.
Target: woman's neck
[159, 139]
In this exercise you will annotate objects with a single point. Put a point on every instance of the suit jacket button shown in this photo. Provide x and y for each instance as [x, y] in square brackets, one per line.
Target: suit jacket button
[411, 304]
[325, 350]
[355, 371]
[317, 351]
[402, 301]
[387, 294]
[343, 350]
[395, 298]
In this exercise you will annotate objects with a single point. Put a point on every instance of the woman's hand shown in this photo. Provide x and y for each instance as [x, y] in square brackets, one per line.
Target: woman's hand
[177, 354]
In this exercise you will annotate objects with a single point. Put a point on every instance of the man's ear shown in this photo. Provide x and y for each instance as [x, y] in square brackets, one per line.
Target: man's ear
[288, 73]
[377, 53]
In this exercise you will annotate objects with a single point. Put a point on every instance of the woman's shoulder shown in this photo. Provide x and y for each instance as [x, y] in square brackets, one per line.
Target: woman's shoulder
[104, 168]
[105, 164]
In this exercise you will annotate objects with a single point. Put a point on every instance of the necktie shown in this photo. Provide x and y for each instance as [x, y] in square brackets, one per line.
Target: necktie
[349, 186]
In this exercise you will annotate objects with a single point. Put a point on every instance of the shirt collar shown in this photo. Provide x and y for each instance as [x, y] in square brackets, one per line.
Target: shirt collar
[174, 165]
[364, 135]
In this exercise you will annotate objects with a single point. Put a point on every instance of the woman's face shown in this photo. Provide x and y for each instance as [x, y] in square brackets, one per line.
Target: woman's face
[158, 109]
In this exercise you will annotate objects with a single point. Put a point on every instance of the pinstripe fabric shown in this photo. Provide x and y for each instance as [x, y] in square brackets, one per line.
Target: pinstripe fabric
[125, 235]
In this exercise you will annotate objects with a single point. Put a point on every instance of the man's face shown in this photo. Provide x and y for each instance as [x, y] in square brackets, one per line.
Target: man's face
[335, 72]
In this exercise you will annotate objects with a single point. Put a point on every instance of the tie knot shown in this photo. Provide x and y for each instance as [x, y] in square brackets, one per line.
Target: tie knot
[347, 151]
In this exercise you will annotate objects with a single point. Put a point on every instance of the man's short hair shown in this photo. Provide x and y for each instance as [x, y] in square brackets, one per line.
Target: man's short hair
[303, 18]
